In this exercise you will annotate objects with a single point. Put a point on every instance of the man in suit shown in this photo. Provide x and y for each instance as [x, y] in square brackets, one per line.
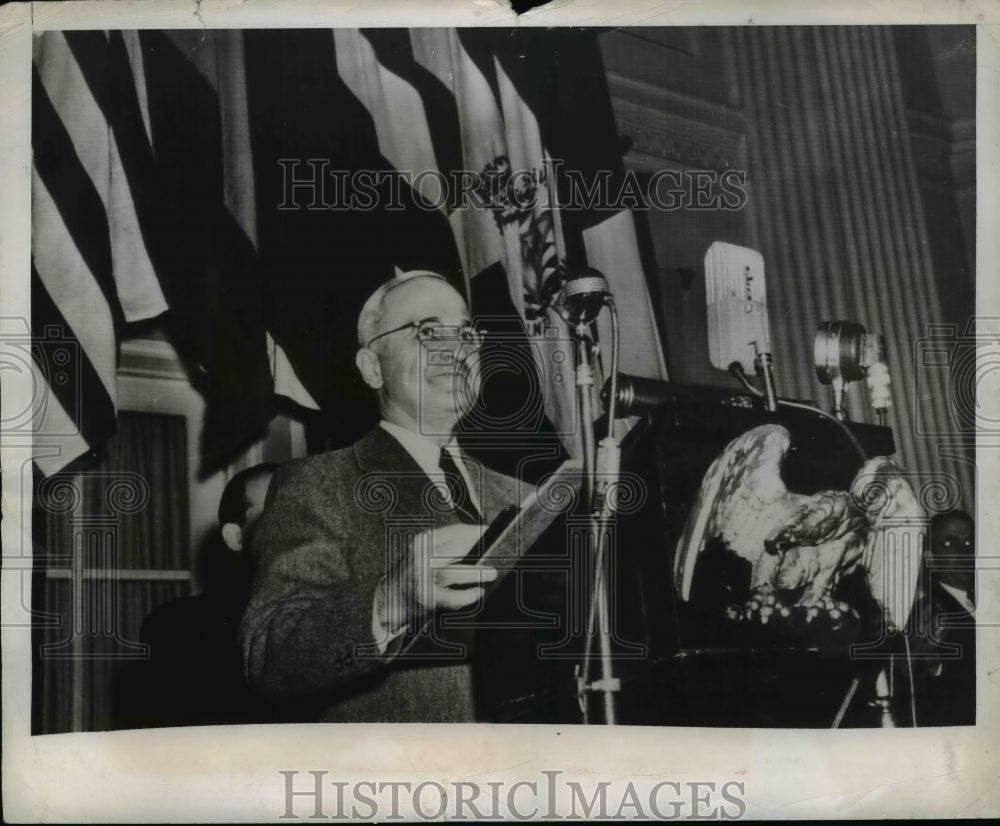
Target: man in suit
[942, 632]
[194, 674]
[357, 546]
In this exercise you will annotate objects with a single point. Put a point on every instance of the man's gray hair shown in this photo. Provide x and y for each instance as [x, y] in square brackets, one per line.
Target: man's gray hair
[371, 312]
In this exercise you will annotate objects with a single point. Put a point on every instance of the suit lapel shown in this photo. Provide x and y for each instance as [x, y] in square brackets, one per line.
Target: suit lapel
[380, 456]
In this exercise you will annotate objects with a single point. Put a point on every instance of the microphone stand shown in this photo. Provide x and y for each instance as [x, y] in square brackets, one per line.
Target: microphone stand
[600, 485]
[585, 348]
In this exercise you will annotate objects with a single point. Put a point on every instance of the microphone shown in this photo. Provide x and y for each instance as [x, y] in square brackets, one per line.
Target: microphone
[739, 333]
[584, 293]
[838, 349]
[844, 352]
[877, 376]
[636, 396]
[736, 304]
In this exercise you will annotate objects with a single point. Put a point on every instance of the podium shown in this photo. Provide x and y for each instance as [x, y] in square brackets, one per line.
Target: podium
[694, 668]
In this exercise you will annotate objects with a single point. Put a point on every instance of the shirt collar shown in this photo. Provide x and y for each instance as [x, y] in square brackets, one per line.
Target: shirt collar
[960, 596]
[427, 455]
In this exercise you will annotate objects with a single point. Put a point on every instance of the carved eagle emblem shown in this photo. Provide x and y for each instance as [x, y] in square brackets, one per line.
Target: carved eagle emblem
[805, 544]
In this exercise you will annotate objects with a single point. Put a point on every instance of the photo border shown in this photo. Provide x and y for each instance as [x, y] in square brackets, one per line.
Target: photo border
[233, 774]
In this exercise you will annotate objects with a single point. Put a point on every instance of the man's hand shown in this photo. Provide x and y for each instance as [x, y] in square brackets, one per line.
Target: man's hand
[430, 579]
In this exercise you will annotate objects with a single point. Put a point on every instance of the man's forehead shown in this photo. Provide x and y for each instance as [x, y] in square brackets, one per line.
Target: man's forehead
[422, 298]
[952, 527]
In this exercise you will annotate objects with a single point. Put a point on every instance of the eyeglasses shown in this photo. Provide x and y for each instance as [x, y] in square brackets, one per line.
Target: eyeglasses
[432, 331]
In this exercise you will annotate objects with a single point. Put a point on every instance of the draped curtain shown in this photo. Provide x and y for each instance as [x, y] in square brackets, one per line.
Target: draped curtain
[106, 522]
[840, 223]
[150, 446]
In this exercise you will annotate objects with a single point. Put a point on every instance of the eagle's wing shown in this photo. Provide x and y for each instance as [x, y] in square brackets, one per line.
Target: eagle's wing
[894, 548]
[742, 499]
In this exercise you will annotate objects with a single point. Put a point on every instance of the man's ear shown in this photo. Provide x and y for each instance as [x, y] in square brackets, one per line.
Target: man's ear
[370, 367]
[232, 535]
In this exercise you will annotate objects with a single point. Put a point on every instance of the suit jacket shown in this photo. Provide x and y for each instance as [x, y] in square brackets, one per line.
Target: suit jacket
[333, 525]
[944, 680]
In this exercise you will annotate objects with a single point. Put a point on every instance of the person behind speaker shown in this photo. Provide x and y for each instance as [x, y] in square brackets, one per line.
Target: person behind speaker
[942, 631]
[194, 674]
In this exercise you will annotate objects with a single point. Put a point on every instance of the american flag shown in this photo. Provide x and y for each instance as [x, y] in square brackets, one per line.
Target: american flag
[160, 189]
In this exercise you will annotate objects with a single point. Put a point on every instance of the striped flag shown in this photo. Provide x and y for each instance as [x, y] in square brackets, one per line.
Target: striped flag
[198, 176]
[560, 76]
[512, 116]
[320, 258]
[447, 117]
[138, 207]
[90, 269]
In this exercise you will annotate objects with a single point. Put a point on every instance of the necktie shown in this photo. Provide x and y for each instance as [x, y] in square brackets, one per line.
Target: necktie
[458, 490]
